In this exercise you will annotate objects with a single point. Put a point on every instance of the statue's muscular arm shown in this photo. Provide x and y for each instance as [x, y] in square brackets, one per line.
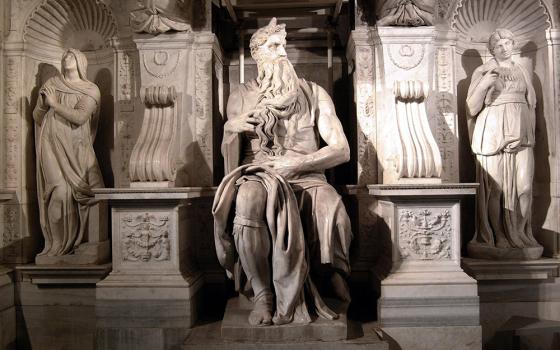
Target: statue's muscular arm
[334, 153]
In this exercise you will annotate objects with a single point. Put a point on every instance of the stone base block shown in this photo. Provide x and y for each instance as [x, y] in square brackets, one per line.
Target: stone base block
[8, 328]
[433, 338]
[152, 184]
[86, 254]
[439, 298]
[144, 324]
[480, 251]
[235, 326]
[140, 338]
[7, 310]
[504, 271]
[208, 337]
[55, 327]
[145, 311]
[56, 306]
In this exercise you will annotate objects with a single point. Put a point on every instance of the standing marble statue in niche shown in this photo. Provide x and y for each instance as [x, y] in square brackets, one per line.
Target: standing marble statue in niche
[66, 117]
[501, 105]
[290, 227]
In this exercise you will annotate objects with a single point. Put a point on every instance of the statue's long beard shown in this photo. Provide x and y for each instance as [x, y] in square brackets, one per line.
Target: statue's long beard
[278, 98]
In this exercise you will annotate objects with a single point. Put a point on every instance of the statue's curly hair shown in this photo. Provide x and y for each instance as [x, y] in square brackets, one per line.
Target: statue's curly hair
[499, 33]
[262, 34]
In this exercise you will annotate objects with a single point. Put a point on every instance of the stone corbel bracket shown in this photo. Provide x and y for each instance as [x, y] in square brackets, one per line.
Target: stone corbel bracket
[152, 162]
[419, 152]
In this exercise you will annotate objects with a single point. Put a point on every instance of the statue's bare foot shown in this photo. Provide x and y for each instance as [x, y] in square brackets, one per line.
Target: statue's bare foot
[279, 320]
[502, 243]
[340, 287]
[261, 315]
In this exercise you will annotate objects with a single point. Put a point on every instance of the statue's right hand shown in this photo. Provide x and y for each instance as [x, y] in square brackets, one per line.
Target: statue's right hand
[245, 122]
[488, 79]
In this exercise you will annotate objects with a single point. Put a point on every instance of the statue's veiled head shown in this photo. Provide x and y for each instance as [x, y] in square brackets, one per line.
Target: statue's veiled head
[269, 43]
[75, 59]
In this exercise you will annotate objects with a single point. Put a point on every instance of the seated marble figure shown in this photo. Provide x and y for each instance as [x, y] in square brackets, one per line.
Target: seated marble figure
[280, 228]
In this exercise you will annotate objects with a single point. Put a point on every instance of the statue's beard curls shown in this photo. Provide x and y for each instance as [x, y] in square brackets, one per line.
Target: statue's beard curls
[278, 98]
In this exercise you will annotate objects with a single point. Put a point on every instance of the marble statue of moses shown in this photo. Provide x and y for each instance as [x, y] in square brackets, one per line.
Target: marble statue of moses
[279, 226]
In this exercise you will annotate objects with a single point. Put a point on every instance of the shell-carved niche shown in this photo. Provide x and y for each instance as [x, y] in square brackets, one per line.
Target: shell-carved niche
[87, 25]
[475, 20]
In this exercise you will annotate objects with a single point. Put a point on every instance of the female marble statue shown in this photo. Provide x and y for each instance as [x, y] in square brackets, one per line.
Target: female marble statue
[66, 119]
[501, 104]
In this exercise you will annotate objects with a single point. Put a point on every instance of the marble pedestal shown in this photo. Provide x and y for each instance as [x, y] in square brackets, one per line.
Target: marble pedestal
[519, 302]
[150, 298]
[7, 310]
[55, 305]
[427, 290]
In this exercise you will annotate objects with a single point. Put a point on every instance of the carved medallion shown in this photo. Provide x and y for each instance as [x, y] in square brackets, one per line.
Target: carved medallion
[145, 238]
[161, 64]
[425, 234]
[406, 56]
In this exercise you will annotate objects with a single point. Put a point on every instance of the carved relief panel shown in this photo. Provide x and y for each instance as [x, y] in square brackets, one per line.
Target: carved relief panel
[425, 234]
[145, 239]
[12, 121]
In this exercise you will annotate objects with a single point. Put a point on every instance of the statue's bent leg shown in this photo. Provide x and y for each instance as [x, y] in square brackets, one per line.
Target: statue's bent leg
[253, 246]
[58, 219]
[524, 180]
[494, 166]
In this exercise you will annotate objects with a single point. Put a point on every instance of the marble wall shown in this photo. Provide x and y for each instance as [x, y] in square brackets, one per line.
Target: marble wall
[33, 34]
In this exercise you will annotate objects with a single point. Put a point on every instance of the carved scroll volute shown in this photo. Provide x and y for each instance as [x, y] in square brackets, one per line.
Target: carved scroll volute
[153, 155]
[419, 152]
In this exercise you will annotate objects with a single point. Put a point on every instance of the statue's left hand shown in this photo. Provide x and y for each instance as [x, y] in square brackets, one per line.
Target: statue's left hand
[287, 166]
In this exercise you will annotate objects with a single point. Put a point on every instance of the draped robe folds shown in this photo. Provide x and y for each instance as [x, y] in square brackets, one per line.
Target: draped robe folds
[504, 127]
[67, 168]
[307, 222]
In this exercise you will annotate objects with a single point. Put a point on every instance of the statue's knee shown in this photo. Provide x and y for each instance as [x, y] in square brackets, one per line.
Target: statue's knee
[56, 204]
[250, 200]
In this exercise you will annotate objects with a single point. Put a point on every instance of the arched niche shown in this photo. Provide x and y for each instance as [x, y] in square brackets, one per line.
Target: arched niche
[87, 25]
[533, 27]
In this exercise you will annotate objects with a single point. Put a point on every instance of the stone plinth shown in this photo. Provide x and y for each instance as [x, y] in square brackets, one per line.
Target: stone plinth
[512, 270]
[426, 286]
[149, 300]
[55, 306]
[519, 302]
[7, 310]
[361, 337]
[235, 326]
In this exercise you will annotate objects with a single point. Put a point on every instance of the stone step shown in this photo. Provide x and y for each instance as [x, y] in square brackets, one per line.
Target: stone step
[235, 326]
[520, 326]
[208, 337]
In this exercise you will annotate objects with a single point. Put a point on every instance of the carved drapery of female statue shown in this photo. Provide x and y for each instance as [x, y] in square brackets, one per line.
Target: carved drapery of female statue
[501, 105]
[66, 118]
